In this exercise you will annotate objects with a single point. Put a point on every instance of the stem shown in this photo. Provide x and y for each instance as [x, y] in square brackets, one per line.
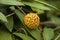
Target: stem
[50, 22]
[57, 37]
[23, 30]
[20, 8]
[10, 14]
[57, 28]
[47, 22]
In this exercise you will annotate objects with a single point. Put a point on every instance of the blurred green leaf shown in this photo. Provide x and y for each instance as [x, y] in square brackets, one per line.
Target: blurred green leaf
[48, 34]
[55, 3]
[20, 15]
[23, 36]
[4, 35]
[48, 4]
[11, 2]
[39, 11]
[3, 17]
[55, 20]
[12, 7]
[10, 24]
[37, 5]
[35, 33]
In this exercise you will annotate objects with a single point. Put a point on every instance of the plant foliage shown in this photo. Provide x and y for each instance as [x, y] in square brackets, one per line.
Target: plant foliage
[12, 14]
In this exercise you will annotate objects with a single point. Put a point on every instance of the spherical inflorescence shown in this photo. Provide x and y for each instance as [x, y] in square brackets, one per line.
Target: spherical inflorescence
[32, 20]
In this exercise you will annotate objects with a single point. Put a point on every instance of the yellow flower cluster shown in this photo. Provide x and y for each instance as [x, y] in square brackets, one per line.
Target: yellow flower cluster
[32, 20]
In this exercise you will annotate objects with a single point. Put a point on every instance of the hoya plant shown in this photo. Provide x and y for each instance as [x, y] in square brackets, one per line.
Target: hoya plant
[29, 20]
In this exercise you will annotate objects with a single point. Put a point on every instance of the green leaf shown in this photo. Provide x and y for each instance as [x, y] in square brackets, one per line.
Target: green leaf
[4, 35]
[48, 4]
[35, 33]
[23, 36]
[9, 25]
[37, 5]
[39, 11]
[48, 34]
[3, 17]
[11, 2]
[20, 15]
[54, 3]
[55, 20]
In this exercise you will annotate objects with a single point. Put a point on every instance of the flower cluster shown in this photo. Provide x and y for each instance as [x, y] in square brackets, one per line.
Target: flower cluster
[32, 20]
